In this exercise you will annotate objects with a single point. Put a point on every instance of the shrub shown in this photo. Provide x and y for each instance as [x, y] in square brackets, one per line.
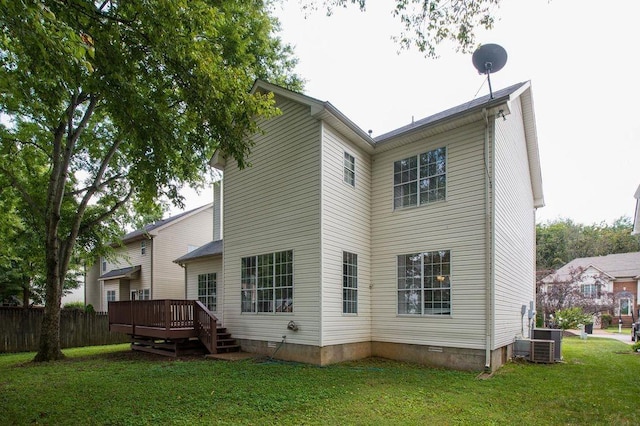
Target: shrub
[636, 347]
[78, 306]
[89, 309]
[571, 317]
[606, 320]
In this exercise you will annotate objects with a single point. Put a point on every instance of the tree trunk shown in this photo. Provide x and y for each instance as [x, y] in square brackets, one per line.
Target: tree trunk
[50, 334]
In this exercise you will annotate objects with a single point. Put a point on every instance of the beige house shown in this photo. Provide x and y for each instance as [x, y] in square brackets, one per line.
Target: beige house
[416, 245]
[143, 266]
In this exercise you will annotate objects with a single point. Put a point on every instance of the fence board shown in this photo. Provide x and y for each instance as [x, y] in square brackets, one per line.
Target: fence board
[20, 329]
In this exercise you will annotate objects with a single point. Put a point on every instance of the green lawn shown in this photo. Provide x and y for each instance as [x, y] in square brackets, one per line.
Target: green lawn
[599, 383]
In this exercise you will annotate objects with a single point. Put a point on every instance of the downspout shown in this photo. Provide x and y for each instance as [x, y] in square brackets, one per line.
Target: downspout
[151, 296]
[488, 241]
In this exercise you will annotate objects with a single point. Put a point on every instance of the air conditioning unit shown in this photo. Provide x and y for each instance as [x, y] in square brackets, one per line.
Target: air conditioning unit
[522, 348]
[550, 334]
[542, 351]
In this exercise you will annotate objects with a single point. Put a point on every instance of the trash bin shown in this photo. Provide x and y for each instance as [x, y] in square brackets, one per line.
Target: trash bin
[588, 328]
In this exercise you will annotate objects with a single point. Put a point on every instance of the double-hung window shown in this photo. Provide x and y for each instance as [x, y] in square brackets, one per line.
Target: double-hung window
[349, 174]
[207, 291]
[424, 283]
[349, 283]
[589, 290]
[111, 295]
[420, 179]
[143, 247]
[267, 282]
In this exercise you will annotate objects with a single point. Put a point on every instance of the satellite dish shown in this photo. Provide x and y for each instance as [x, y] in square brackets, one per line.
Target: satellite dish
[489, 58]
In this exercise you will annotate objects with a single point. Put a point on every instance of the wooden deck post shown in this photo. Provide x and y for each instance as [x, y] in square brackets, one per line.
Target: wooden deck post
[167, 314]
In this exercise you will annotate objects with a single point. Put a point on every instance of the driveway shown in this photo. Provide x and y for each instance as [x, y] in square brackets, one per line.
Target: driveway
[625, 337]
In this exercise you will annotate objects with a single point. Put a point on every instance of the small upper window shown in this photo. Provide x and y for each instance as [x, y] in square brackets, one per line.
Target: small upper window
[143, 247]
[104, 265]
[349, 169]
[420, 179]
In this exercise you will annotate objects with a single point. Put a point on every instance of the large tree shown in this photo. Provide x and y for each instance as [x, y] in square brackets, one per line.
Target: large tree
[428, 23]
[108, 106]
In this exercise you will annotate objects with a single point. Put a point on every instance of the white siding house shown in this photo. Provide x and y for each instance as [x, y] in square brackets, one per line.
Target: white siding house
[142, 267]
[417, 245]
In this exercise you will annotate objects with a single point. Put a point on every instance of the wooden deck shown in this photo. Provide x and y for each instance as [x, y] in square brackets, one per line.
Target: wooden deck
[169, 326]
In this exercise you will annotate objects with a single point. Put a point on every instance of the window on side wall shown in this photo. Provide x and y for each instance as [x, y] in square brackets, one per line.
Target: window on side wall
[104, 265]
[349, 283]
[267, 283]
[349, 174]
[111, 296]
[143, 247]
[424, 283]
[420, 179]
[207, 291]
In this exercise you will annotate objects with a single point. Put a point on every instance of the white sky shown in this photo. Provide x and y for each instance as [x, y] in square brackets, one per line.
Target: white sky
[581, 57]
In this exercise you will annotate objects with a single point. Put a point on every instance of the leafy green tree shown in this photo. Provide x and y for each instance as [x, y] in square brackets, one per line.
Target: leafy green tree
[428, 23]
[561, 241]
[110, 106]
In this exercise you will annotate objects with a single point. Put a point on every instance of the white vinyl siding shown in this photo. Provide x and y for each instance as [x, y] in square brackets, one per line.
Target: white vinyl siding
[172, 242]
[346, 227]
[457, 224]
[273, 206]
[514, 229]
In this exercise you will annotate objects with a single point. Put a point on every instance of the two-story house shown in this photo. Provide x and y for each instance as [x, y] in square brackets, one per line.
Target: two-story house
[416, 245]
[142, 266]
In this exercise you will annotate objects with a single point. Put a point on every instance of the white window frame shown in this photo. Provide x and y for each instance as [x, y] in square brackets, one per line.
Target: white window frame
[413, 174]
[629, 306]
[349, 169]
[205, 295]
[431, 282]
[104, 264]
[589, 291]
[267, 281]
[111, 296]
[349, 283]
[143, 247]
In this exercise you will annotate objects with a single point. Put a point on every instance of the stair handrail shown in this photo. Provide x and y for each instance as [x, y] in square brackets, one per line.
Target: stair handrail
[205, 324]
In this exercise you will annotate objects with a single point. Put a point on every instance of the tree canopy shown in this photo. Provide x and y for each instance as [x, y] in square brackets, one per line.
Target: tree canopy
[561, 241]
[428, 23]
[109, 107]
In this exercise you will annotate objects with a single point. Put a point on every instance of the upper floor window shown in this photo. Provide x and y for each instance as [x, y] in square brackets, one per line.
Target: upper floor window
[143, 247]
[349, 283]
[420, 179]
[104, 265]
[349, 169]
[424, 284]
[589, 290]
[267, 282]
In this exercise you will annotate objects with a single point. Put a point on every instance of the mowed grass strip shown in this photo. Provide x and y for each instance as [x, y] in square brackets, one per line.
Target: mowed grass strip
[598, 383]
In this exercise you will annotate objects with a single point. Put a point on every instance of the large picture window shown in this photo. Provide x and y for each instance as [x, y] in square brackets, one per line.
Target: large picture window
[267, 282]
[420, 179]
[424, 283]
[207, 291]
[349, 283]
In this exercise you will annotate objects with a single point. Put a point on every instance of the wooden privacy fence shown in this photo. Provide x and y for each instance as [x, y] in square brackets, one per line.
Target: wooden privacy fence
[20, 329]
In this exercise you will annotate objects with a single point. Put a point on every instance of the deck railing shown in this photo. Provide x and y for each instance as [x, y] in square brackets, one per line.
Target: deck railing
[206, 327]
[166, 314]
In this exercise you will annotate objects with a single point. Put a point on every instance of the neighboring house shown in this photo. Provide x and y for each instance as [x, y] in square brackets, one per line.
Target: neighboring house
[416, 245]
[143, 266]
[620, 274]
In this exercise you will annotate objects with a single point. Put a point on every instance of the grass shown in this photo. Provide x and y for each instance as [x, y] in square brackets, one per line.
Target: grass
[598, 383]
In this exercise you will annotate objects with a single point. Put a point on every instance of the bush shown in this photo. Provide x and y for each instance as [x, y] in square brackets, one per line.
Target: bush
[571, 317]
[635, 347]
[78, 306]
[89, 309]
[606, 320]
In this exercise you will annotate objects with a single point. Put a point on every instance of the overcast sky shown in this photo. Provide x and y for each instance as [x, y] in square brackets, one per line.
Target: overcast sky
[581, 58]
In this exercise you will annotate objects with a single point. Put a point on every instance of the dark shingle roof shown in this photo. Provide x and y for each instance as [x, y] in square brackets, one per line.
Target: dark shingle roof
[498, 96]
[621, 265]
[210, 249]
[122, 272]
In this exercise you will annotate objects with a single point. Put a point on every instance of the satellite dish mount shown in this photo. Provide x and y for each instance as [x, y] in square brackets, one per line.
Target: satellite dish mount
[489, 58]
